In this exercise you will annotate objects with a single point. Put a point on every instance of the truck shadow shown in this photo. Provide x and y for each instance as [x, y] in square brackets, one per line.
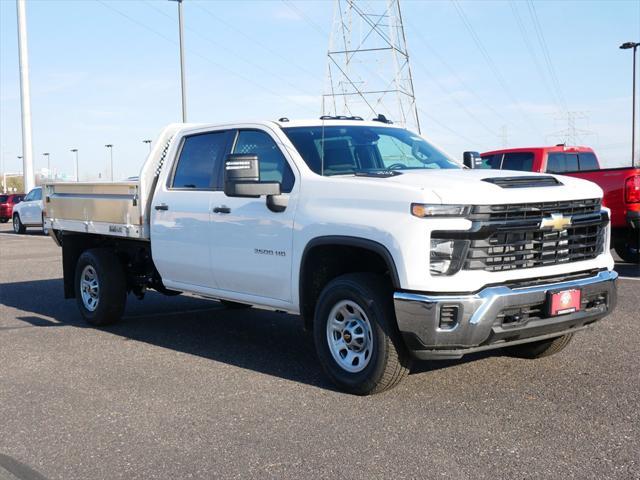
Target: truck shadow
[627, 269]
[259, 340]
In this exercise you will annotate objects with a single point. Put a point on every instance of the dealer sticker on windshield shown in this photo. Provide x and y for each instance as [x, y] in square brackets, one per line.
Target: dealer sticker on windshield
[561, 303]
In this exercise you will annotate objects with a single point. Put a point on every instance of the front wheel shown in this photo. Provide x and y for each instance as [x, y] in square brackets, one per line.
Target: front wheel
[542, 348]
[18, 227]
[45, 230]
[357, 341]
[100, 286]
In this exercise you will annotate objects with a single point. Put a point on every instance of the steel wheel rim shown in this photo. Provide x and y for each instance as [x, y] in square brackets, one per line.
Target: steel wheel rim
[89, 288]
[349, 336]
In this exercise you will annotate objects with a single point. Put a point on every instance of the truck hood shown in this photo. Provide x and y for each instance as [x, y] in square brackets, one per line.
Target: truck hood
[470, 187]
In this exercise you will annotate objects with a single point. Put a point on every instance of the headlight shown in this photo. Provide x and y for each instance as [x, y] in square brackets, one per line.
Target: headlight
[424, 210]
[446, 256]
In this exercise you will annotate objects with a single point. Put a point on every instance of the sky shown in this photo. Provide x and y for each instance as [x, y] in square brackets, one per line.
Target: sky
[107, 72]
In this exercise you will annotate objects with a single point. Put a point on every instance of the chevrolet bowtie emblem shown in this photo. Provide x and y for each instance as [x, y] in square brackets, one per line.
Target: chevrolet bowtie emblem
[555, 222]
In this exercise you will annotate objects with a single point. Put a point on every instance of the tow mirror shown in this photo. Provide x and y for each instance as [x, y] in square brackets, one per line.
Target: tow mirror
[242, 177]
[472, 159]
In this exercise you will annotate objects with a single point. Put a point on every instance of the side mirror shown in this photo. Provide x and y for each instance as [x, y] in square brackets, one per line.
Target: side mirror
[471, 159]
[242, 177]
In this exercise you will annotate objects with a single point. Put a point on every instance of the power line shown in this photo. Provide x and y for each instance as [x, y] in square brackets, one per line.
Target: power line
[491, 64]
[306, 18]
[260, 44]
[235, 54]
[203, 57]
[449, 129]
[534, 57]
[545, 52]
[455, 74]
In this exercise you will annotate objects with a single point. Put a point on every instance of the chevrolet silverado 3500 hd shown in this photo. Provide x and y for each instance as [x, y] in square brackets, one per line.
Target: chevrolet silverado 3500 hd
[387, 248]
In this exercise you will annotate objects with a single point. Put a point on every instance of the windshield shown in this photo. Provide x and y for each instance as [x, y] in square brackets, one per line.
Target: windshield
[344, 150]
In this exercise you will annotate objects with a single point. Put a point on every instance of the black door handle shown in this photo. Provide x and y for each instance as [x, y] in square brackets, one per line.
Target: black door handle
[222, 209]
[162, 206]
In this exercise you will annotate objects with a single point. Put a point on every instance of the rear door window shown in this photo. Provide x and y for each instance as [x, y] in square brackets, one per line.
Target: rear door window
[522, 161]
[559, 162]
[588, 161]
[200, 160]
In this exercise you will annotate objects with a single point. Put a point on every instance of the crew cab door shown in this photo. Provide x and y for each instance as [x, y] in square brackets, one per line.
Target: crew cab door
[181, 211]
[253, 244]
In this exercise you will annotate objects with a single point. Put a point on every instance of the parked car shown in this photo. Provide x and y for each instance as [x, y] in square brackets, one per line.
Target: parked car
[7, 202]
[28, 213]
[621, 185]
[387, 248]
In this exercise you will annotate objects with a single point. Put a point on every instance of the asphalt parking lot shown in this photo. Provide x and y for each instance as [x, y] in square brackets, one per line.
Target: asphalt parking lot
[183, 388]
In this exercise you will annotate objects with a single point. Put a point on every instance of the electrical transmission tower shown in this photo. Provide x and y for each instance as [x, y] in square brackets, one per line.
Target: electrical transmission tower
[571, 135]
[368, 69]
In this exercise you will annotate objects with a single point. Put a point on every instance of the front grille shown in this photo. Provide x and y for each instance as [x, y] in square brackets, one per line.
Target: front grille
[533, 211]
[529, 248]
[509, 237]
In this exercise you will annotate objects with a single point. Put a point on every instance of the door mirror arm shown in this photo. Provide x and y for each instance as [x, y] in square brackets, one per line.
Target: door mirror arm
[277, 203]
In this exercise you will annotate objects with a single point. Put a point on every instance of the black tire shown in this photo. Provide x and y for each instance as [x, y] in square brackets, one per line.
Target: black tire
[543, 348]
[234, 305]
[627, 246]
[4, 220]
[45, 230]
[112, 286]
[389, 362]
[18, 226]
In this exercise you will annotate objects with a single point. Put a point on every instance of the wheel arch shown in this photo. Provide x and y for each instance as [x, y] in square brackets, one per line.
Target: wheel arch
[327, 257]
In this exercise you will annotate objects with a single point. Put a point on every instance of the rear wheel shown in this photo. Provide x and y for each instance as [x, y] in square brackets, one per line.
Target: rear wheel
[356, 338]
[4, 220]
[18, 227]
[100, 287]
[543, 348]
[627, 246]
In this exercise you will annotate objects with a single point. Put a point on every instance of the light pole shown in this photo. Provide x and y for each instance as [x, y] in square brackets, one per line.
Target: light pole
[182, 80]
[110, 147]
[25, 96]
[46, 154]
[75, 150]
[148, 142]
[634, 46]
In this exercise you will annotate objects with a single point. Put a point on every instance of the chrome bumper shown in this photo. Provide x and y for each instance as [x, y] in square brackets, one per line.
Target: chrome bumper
[496, 316]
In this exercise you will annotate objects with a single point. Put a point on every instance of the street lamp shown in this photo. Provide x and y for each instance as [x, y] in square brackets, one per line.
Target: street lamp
[182, 81]
[75, 150]
[634, 46]
[46, 154]
[110, 147]
[148, 142]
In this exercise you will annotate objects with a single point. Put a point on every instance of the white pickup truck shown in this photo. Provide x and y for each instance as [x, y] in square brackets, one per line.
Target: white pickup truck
[387, 248]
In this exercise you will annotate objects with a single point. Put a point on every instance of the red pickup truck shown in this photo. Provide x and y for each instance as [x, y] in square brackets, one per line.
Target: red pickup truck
[621, 186]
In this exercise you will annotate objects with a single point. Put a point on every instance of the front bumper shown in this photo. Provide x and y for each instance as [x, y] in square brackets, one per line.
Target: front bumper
[496, 316]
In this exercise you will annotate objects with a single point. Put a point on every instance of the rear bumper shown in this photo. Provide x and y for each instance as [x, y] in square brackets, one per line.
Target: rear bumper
[496, 316]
